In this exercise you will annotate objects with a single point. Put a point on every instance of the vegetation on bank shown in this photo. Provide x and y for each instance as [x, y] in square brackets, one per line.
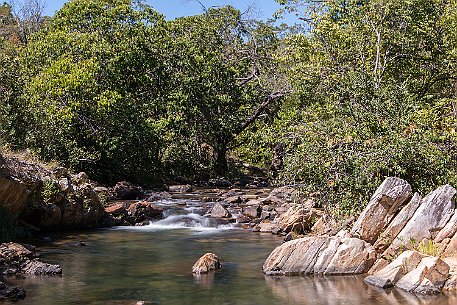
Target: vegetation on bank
[366, 89]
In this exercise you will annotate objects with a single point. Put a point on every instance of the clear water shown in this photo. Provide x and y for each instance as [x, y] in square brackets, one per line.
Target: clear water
[153, 264]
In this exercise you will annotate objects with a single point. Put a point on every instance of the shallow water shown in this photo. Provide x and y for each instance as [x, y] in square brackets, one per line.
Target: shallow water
[153, 263]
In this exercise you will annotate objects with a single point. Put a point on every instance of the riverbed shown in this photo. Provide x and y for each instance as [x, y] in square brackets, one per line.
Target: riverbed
[153, 263]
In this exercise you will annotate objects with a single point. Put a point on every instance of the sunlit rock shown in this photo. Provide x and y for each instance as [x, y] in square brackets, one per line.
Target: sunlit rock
[206, 263]
[382, 208]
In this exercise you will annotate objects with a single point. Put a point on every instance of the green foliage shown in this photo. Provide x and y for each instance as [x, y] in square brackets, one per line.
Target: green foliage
[49, 191]
[111, 88]
[374, 96]
[221, 69]
[93, 82]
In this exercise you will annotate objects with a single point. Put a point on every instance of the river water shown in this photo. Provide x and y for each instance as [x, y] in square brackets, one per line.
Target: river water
[153, 264]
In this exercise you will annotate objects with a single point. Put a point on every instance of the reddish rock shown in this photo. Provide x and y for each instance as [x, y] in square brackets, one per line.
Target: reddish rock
[116, 209]
[144, 210]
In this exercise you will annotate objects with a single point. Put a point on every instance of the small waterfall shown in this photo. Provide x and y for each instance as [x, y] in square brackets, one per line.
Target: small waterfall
[179, 214]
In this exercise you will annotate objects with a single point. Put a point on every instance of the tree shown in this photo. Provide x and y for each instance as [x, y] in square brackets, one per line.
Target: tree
[225, 78]
[94, 78]
[374, 93]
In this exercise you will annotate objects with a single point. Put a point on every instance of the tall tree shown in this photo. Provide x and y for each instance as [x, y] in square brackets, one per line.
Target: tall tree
[94, 77]
[226, 77]
[374, 96]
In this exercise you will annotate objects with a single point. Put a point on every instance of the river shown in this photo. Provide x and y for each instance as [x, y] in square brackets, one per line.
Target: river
[153, 263]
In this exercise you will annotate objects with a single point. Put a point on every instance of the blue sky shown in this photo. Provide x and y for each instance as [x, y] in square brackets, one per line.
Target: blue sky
[176, 8]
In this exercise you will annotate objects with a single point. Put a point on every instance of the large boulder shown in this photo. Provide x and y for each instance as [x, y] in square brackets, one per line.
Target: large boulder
[206, 263]
[18, 181]
[325, 255]
[48, 200]
[399, 222]
[434, 212]
[382, 208]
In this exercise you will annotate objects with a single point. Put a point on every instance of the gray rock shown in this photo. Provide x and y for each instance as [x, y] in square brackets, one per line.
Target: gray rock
[327, 255]
[21, 259]
[428, 277]
[354, 256]
[432, 215]
[449, 230]
[381, 209]
[218, 211]
[392, 273]
[399, 222]
[35, 267]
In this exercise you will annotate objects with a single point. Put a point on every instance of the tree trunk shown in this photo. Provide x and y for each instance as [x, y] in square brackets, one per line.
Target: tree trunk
[221, 166]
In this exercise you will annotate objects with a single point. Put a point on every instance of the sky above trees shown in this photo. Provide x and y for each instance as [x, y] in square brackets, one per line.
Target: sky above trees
[262, 9]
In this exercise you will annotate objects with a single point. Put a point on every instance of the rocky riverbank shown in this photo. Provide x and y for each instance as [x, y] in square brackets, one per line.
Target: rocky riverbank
[400, 239]
[394, 221]
[17, 259]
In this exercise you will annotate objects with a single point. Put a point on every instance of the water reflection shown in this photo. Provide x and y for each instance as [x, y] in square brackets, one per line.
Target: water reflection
[205, 280]
[343, 290]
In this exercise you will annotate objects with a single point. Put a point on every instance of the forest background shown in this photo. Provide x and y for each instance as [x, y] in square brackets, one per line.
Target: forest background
[356, 91]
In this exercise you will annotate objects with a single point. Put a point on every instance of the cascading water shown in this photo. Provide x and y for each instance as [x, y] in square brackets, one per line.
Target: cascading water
[184, 214]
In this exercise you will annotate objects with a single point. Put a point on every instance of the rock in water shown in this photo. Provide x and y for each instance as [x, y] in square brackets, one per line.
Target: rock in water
[428, 277]
[206, 263]
[17, 259]
[322, 255]
[11, 293]
[218, 211]
[392, 273]
[383, 206]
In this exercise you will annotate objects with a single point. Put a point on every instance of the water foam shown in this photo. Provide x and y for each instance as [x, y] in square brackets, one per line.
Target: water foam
[192, 221]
